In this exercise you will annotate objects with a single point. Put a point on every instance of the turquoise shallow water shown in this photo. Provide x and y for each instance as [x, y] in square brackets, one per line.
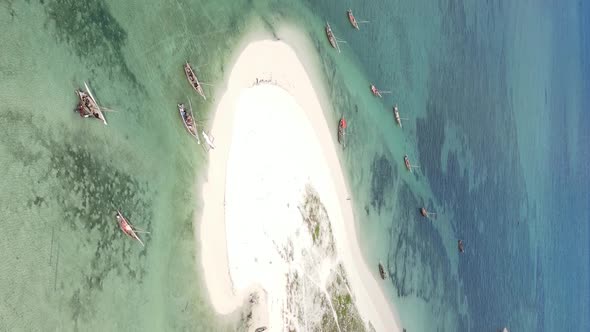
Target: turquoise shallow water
[494, 94]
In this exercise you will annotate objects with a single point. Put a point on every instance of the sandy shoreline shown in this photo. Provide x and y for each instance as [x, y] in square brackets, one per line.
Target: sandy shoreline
[258, 163]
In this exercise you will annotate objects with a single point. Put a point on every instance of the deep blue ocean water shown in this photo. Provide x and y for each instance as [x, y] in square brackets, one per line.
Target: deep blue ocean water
[496, 93]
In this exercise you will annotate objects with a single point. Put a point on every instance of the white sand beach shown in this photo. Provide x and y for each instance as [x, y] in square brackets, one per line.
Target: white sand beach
[275, 156]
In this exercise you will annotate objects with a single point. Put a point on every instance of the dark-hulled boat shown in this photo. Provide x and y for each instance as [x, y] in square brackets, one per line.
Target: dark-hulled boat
[87, 105]
[352, 19]
[460, 246]
[382, 272]
[193, 80]
[342, 131]
[189, 122]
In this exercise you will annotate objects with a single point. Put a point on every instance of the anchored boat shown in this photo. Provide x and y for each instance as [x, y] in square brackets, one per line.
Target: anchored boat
[331, 37]
[352, 19]
[127, 228]
[407, 163]
[382, 272]
[193, 80]
[189, 122]
[87, 105]
[375, 91]
[342, 131]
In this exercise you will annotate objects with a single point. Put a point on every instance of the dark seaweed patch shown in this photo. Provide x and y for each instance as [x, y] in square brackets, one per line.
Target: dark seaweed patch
[88, 191]
[381, 181]
[92, 32]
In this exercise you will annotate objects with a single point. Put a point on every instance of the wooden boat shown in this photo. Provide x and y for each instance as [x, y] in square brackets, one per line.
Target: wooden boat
[407, 162]
[375, 91]
[382, 272]
[342, 131]
[352, 19]
[189, 122]
[423, 212]
[193, 80]
[460, 246]
[87, 106]
[331, 37]
[397, 117]
[127, 228]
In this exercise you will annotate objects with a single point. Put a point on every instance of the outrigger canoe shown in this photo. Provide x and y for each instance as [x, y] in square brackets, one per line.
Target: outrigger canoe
[127, 228]
[88, 106]
[375, 91]
[407, 162]
[331, 37]
[193, 80]
[352, 19]
[189, 122]
[382, 272]
[423, 212]
[342, 131]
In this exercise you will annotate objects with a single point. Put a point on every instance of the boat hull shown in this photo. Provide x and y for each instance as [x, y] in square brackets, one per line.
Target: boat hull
[193, 80]
[192, 130]
[342, 132]
[352, 20]
[331, 37]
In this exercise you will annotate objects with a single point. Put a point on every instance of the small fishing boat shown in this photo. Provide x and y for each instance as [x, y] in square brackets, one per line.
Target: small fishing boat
[375, 91]
[87, 105]
[189, 122]
[408, 165]
[127, 228]
[352, 19]
[460, 246]
[342, 131]
[193, 80]
[397, 117]
[423, 212]
[382, 272]
[407, 162]
[331, 37]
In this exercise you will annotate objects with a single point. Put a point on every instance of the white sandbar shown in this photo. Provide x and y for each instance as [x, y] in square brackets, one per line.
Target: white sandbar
[272, 141]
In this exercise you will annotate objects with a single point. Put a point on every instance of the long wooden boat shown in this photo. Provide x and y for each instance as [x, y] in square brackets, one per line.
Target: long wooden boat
[352, 19]
[127, 228]
[189, 122]
[407, 163]
[87, 105]
[397, 117]
[382, 272]
[331, 37]
[375, 91]
[193, 80]
[342, 131]
[423, 212]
